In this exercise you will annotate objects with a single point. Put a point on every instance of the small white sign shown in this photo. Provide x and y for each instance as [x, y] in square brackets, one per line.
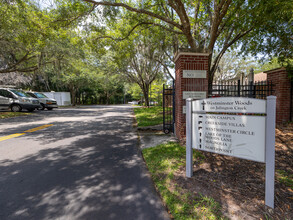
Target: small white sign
[231, 105]
[184, 109]
[233, 135]
[199, 74]
[194, 94]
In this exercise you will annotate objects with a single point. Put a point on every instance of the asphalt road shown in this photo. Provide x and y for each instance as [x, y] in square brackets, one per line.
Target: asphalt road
[81, 163]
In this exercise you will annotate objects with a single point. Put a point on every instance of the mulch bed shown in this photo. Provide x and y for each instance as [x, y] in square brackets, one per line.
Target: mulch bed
[239, 185]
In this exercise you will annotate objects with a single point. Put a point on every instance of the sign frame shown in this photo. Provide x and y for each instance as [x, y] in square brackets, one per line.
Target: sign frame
[270, 118]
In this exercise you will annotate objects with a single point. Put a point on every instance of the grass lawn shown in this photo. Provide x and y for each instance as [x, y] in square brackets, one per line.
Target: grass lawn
[162, 162]
[12, 114]
[149, 116]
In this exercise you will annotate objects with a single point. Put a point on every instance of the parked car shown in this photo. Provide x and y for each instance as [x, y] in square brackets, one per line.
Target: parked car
[16, 100]
[134, 102]
[45, 102]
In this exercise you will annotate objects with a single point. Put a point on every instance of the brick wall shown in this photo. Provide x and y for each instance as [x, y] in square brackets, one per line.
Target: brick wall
[187, 61]
[282, 88]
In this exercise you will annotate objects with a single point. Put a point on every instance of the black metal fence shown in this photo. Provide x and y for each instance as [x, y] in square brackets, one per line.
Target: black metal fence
[258, 90]
[168, 108]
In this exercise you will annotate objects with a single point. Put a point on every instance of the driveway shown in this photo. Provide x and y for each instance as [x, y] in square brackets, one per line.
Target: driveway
[81, 163]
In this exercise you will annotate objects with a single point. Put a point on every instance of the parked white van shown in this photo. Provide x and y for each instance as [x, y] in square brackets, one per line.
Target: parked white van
[45, 102]
[16, 100]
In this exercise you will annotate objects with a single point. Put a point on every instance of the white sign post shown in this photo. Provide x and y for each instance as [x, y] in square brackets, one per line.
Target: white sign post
[238, 127]
[270, 151]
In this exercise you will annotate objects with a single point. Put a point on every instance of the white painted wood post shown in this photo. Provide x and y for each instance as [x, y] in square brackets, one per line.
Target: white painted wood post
[270, 151]
[189, 164]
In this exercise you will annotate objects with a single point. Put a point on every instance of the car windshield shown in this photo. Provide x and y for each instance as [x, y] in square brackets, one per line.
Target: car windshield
[32, 94]
[19, 93]
[40, 95]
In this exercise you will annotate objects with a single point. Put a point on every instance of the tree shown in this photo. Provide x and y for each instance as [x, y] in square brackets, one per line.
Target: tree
[273, 38]
[156, 95]
[144, 68]
[49, 44]
[206, 25]
[30, 34]
[232, 65]
[271, 64]
[16, 79]
[135, 91]
[23, 35]
[139, 59]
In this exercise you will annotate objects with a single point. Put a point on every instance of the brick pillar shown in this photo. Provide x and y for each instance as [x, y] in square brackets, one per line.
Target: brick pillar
[191, 82]
[282, 90]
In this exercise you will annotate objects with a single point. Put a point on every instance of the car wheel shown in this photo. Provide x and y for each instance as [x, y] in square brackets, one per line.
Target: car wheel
[42, 106]
[15, 108]
[49, 108]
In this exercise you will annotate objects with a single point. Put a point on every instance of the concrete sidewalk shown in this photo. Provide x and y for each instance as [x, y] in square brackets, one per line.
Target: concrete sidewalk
[152, 136]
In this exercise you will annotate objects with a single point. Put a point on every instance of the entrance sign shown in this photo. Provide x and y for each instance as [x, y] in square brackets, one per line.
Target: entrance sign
[230, 105]
[194, 94]
[238, 127]
[195, 74]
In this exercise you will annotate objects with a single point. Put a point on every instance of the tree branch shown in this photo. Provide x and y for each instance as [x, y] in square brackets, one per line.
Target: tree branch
[195, 28]
[23, 70]
[140, 11]
[220, 12]
[178, 6]
[226, 46]
[69, 22]
[137, 25]
[166, 68]
[19, 61]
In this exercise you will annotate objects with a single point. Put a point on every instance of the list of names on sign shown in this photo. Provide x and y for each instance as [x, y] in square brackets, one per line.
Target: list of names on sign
[233, 135]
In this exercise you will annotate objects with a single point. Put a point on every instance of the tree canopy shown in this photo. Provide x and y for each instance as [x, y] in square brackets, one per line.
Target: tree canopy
[94, 48]
[207, 26]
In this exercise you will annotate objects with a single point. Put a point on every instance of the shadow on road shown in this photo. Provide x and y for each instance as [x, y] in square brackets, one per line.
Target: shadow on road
[98, 174]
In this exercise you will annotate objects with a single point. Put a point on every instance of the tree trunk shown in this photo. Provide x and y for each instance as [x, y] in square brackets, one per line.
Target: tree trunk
[72, 92]
[210, 71]
[145, 91]
[107, 98]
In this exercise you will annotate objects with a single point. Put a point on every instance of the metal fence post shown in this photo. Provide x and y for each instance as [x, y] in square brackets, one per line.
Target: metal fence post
[250, 89]
[174, 107]
[238, 88]
[164, 121]
[270, 151]
[189, 163]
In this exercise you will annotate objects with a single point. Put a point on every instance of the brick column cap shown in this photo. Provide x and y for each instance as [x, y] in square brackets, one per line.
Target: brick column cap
[178, 54]
[274, 70]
